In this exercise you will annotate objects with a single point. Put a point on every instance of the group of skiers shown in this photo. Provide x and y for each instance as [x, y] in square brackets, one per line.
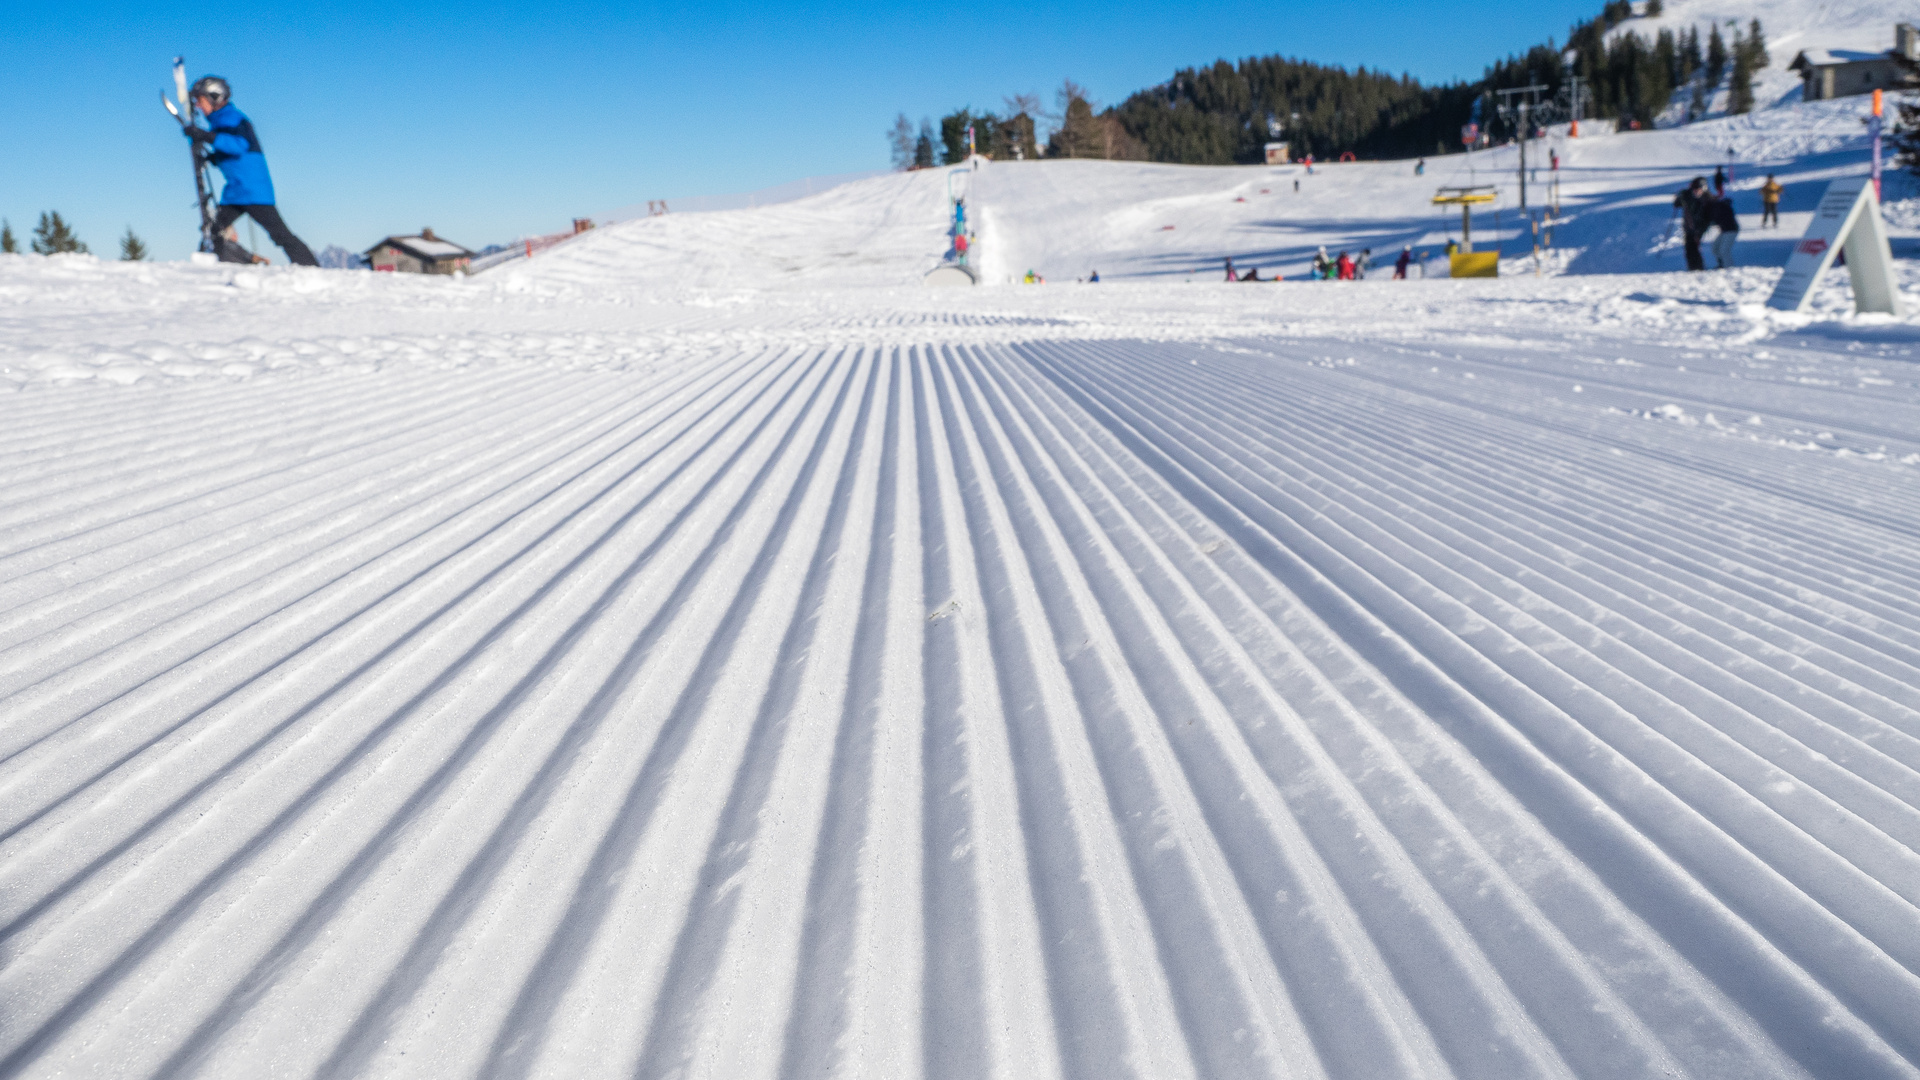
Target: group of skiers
[1700, 208]
[1344, 268]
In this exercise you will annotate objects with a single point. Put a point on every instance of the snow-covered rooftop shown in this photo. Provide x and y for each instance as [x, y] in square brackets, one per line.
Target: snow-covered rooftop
[1830, 57]
[421, 245]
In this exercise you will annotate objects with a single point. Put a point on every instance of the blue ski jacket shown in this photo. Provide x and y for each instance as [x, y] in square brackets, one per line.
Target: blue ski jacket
[236, 151]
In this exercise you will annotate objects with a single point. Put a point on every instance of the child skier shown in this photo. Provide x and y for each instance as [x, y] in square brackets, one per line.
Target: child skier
[235, 149]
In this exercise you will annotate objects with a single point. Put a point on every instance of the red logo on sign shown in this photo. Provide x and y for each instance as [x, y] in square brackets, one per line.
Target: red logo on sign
[1812, 247]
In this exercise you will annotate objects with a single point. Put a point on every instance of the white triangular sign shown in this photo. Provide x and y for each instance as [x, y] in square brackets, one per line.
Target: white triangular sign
[1848, 220]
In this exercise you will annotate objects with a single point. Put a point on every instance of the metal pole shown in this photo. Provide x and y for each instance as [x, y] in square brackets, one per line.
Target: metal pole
[1524, 132]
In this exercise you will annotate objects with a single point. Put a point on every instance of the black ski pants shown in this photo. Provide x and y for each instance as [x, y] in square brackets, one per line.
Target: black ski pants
[1695, 261]
[269, 219]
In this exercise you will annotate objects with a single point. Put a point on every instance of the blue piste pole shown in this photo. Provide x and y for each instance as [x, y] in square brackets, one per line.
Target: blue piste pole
[1873, 125]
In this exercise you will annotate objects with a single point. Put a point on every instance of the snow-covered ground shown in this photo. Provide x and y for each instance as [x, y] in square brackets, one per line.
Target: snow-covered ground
[1066, 219]
[703, 652]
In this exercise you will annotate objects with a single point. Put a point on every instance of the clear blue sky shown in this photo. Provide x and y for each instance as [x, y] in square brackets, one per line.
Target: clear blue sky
[488, 121]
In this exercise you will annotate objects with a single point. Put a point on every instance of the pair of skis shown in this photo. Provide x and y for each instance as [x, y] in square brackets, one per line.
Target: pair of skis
[210, 239]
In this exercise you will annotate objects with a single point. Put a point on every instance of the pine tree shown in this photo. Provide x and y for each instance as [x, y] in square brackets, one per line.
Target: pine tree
[953, 136]
[923, 146]
[55, 236]
[1757, 46]
[1690, 58]
[7, 243]
[1716, 56]
[1740, 84]
[900, 142]
[1654, 9]
[132, 248]
[986, 133]
[1078, 132]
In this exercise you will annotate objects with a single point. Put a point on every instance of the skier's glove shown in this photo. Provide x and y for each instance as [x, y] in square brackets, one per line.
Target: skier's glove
[199, 135]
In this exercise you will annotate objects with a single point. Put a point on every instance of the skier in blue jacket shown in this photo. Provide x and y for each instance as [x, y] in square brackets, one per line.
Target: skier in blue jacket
[235, 149]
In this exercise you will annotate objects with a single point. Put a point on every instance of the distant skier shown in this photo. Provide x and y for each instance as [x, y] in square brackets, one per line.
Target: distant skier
[1343, 266]
[1695, 216]
[1095, 279]
[1363, 264]
[1420, 167]
[1231, 276]
[235, 149]
[1719, 180]
[1400, 264]
[1322, 266]
[1553, 157]
[1728, 223]
[1296, 185]
[1770, 202]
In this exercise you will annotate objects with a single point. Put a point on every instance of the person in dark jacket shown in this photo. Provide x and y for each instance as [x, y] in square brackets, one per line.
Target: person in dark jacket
[1695, 216]
[1729, 225]
[1400, 264]
[235, 150]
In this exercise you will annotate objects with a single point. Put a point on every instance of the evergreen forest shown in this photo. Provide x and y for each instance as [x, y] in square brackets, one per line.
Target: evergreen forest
[1226, 113]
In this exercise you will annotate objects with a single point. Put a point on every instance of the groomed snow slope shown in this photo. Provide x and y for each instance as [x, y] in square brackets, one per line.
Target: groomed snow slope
[588, 672]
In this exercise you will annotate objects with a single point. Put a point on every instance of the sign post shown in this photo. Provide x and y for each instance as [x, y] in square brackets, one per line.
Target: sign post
[1848, 220]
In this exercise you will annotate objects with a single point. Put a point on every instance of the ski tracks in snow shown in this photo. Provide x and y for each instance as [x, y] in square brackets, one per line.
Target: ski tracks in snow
[1047, 709]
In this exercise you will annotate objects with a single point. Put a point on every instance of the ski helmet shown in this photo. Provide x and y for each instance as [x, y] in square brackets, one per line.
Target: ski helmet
[214, 88]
